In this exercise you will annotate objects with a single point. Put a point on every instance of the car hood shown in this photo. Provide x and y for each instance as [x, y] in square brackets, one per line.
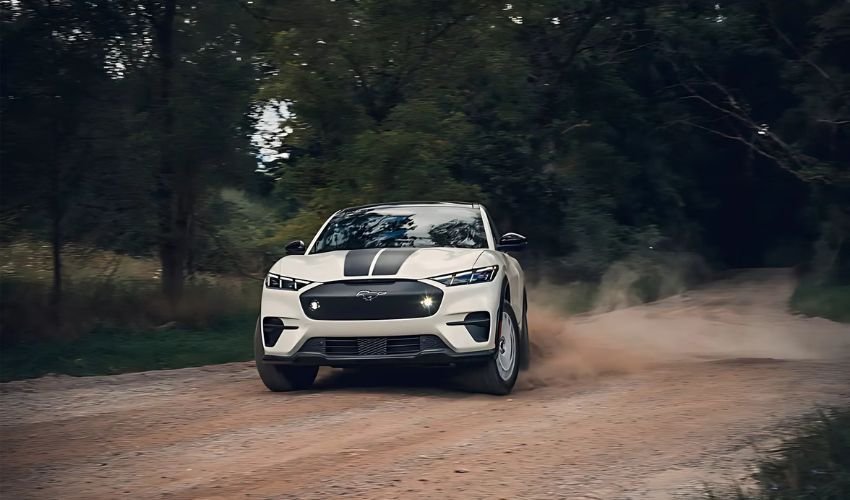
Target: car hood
[410, 263]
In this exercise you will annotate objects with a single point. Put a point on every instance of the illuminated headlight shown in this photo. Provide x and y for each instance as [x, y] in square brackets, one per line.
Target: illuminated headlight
[284, 283]
[480, 275]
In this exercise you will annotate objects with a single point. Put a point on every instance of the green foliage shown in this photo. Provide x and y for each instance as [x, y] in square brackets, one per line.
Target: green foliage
[107, 290]
[813, 465]
[586, 125]
[237, 235]
[120, 123]
[95, 304]
[814, 298]
[108, 351]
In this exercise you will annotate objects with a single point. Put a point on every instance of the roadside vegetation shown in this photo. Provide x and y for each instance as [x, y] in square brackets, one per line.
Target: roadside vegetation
[105, 289]
[108, 351]
[644, 276]
[113, 318]
[822, 299]
[812, 465]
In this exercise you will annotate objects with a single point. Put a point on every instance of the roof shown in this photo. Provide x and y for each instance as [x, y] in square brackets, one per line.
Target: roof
[414, 203]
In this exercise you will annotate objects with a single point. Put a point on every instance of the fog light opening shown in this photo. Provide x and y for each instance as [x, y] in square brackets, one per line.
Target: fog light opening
[272, 329]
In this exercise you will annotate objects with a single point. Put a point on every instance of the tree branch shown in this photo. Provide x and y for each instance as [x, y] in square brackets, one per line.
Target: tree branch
[790, 44]
[834, 122]
[763, 142]
[256, 15]
[605, 8]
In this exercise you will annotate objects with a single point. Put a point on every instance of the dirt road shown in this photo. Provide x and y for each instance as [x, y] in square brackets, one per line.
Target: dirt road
[647, 402]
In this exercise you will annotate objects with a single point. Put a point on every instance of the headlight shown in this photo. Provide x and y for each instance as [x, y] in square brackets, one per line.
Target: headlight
[480, 275]
[284, 283]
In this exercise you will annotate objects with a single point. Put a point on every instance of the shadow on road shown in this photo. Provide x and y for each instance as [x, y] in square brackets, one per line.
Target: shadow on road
[433, 381]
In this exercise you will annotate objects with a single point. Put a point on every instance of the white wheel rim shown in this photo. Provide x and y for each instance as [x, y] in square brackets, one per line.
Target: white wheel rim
[506, 348]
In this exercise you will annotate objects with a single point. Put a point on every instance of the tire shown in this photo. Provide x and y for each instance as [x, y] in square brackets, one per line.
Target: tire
[281, 378]
[525, 348]
[492, 376]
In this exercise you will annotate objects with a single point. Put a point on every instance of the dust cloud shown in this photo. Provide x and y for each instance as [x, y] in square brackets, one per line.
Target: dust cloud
[559, 355]
[638, 279]
[741, 317]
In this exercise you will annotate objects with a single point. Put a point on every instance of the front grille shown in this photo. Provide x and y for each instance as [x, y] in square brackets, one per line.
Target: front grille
[371, 346]
[371, 300]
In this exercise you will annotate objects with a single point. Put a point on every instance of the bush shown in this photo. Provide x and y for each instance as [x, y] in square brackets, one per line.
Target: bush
[26, 313]
[814, 298]
[106, 290]
[814, 465]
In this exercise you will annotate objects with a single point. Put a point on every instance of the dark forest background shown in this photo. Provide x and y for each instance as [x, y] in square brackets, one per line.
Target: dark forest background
[152, 150]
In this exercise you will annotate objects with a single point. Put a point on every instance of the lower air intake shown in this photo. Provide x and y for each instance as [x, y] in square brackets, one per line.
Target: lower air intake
[372, 346]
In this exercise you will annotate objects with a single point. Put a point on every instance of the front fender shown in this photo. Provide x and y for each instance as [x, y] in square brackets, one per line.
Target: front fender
[511, 271]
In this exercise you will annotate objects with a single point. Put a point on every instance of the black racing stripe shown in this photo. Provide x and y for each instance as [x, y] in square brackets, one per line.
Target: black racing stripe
[358, 262]
[391, 260]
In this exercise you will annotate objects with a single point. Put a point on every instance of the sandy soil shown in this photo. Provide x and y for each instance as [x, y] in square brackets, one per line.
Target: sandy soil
[647, 402]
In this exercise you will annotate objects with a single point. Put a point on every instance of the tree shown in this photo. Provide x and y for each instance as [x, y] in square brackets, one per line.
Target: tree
[54, 70]
[205, 80]
[779, 92]
[112, 89]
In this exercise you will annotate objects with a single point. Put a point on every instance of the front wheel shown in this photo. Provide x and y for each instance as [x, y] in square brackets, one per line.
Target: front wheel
[281, 378]
[498, 374]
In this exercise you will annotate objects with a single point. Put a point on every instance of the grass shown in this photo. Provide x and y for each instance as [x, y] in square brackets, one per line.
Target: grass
[87, 307]
[828, 301]
[814, 465]
[32, 260]
[111, 351]
[113, 318]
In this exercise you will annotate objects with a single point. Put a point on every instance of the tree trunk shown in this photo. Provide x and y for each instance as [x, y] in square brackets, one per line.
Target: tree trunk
[56, 204]
[56, 241]
[185, 210]
[841, 262]
[171, 254]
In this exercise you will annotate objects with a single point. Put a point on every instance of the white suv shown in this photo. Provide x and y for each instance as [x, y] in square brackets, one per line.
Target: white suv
[397, 283]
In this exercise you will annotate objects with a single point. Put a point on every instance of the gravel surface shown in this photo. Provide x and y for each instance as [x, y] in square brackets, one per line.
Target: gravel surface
[648, 402]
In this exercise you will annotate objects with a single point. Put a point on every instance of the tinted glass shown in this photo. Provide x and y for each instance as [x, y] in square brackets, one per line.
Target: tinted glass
[403, 226]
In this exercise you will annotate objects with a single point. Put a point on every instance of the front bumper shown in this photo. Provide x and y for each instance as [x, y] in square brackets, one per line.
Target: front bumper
[442, 357]
[456, 342]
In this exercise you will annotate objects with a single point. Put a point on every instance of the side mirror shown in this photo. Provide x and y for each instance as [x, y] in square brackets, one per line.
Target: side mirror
[511, 242]
[296, 247]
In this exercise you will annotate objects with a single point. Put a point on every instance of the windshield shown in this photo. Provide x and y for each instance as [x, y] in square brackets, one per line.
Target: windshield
[403, 226]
